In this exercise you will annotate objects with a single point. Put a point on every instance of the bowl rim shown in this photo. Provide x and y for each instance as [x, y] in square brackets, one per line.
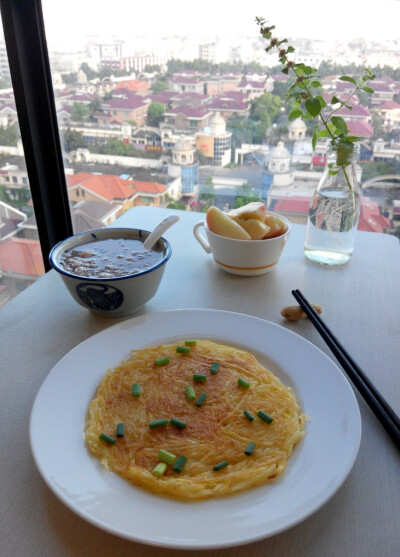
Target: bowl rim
[58, 248]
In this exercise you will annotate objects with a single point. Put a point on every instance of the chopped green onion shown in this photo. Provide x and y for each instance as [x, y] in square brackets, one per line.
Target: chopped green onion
[219, 466]
[201, 399]
[159, 469]
[179, 464]
[180, 424]
[249, 449]
[190, 342]
[214, 368]
[264, 416]
[199, 377]
[162, 361]
[248, 415]
[183, 349]
[190, 394]
[136, 389]
[120, 430]
[158, 423]
[165, 456]
[107, 438]
[243, 383]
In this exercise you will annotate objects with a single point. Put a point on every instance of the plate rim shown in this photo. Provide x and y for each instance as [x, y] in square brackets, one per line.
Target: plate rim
[174, 543]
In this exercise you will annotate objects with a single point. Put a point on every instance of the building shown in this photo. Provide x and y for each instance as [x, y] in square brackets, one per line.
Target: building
[215, 143]
[128, 107]
[185, 166]
[187, 118]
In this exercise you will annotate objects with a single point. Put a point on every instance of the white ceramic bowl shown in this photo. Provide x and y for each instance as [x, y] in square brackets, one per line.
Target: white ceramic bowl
[243, 257]
[113, 297]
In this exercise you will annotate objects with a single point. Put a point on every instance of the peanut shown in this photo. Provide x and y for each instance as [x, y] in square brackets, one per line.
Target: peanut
[293, 313]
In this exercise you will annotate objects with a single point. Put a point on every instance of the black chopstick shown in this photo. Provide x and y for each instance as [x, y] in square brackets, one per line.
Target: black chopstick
[379, 406]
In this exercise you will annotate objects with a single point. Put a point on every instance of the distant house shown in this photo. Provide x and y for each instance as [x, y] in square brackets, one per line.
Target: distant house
[128, 107]
[21, 263]
[254, 89]
[230, 104]
[188, 118]
[88, 215]
[117, 191]
[8, 114]
[10, 219]
[139, 87]
[186, 83]
[390, 112]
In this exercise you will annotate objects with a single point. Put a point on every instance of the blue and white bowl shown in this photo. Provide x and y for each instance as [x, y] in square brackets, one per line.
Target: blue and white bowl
[115, 296]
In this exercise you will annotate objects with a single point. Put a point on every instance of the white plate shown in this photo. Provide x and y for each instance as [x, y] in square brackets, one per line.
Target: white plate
[315, 471]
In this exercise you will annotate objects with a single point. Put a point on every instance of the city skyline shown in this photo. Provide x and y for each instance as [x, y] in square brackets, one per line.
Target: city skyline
[345, 21]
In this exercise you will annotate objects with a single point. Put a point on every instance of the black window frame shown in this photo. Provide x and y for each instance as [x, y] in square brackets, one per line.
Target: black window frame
[28, 57]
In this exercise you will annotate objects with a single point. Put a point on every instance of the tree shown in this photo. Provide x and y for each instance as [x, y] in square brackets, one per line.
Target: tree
[267, 108]
[208, 194]
[69, 78]
[72, 140]
[244, 195]
[94, 107]
[9, 135]
[176, 205]
[155, 114]
[159, 85]
[88, 71]
[79, 112]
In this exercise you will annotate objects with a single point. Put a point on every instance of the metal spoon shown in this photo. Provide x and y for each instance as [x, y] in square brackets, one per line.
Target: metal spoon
[159, 231]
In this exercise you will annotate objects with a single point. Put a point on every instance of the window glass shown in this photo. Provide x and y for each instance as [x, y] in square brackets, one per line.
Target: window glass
[133, 90]
[21, 262]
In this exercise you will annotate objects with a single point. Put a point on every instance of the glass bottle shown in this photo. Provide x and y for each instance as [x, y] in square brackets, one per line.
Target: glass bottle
[335, 208]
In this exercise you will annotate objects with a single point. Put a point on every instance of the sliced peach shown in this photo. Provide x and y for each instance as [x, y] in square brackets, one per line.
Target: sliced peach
[257, 229]
[255, 210]
[277, 225]
[221, 224]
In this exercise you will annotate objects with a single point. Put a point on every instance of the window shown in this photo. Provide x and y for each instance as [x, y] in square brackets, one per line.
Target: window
[167, 61]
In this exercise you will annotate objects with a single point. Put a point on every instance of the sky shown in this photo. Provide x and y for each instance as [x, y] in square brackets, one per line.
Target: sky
[69, 21]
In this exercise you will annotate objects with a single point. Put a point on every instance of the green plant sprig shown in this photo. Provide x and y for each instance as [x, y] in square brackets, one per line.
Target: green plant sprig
[309, 103]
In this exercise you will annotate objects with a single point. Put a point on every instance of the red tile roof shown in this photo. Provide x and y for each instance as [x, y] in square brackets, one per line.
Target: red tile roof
[370, 218]
[358, 110]
[360, 128]
[126, 103]
[106, 186]
[295, 204]
[20, 256]
[388, 105]
[111, 187]
[189, 111]
[149, 187]
[132, 85]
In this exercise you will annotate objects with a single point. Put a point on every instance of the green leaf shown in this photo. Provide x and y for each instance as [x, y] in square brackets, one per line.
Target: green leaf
[340, 124]
[295, 114]
[313, 106]
[308, 70]
[314, 136]
[335, 100]
[285, 70]
[283, 59]
[290, 49]
[268, 48]
[347, 78]
[324, 133]
[367, 89]
[321, 101]
[316, 83]
[333, 172]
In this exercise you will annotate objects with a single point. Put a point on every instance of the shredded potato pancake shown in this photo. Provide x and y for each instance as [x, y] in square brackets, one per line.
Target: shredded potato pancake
[216, 431]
